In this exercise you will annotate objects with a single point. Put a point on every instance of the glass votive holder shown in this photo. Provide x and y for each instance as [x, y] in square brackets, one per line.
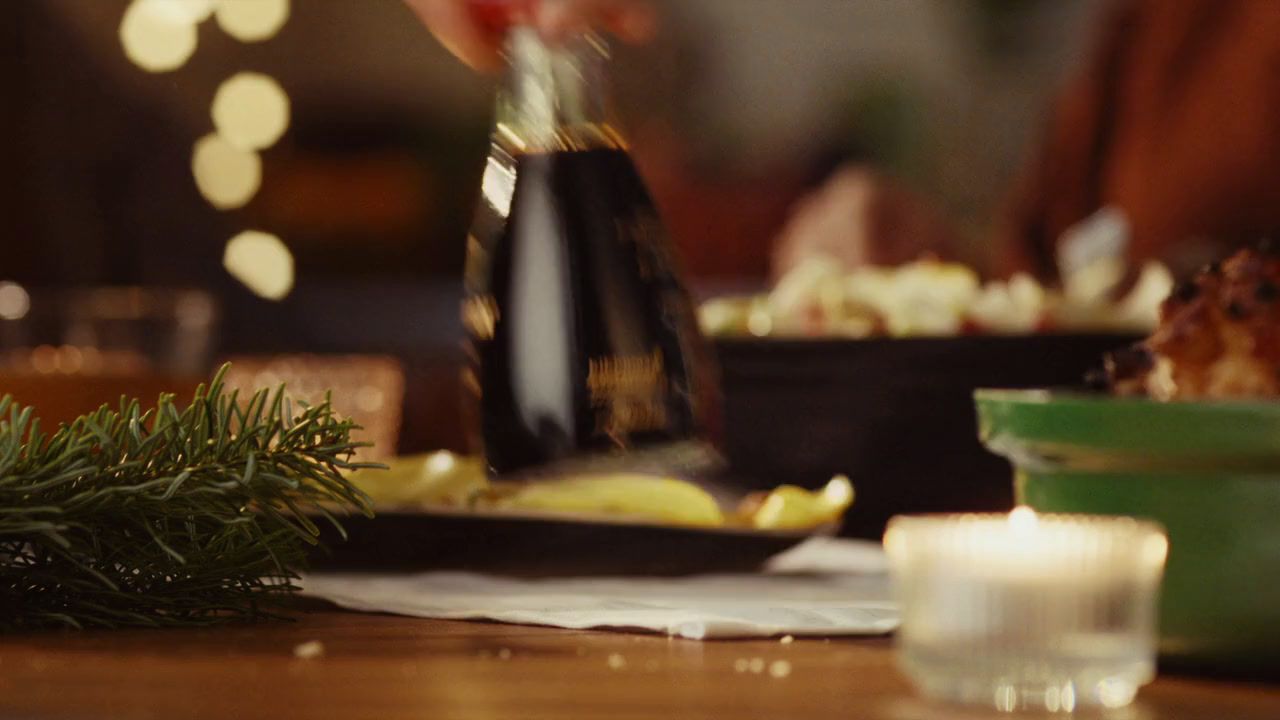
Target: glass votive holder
[1025, 611]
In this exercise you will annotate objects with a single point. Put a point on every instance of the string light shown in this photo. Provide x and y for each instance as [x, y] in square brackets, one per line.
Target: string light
[250, 113]
[155, 39]
[227, 176]
[251, 110]
[262, 262]
[252, 20]
[190, 12]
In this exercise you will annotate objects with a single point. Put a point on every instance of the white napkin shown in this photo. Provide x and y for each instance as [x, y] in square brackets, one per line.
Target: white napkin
[824, 587]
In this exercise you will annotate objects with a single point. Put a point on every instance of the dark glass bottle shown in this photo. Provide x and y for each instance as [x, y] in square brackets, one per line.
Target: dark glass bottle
[583, 344]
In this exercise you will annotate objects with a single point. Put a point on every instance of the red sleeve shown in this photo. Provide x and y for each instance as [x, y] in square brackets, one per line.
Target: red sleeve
[1062, 183]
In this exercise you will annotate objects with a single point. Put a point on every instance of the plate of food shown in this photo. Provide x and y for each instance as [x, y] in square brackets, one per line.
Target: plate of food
[822, 300]
[1184, 429]
[441, 511]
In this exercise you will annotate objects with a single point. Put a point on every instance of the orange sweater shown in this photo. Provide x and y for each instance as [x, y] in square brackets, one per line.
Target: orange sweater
[1176, 121]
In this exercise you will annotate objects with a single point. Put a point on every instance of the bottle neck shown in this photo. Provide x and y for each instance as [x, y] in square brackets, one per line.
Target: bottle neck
[555, 98]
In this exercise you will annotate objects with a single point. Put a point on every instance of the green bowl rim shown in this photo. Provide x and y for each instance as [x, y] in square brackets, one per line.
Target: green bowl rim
[1039, 425]
[1079, 398]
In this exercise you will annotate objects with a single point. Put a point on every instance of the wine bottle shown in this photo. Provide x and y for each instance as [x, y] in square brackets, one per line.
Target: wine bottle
[583, 344]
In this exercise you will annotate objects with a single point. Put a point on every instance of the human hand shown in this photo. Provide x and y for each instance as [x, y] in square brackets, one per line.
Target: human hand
[858, 218]
[473, 29]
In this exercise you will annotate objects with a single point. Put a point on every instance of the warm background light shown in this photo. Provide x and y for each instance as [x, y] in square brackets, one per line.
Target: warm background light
[251, 110]
[14, 301]
[262, 262]
[227, 176]
[155, 38]
[252, 20]
[190, 12]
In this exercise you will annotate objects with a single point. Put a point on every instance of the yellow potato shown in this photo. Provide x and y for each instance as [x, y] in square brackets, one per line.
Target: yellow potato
[445, 479]
[439, 478]
[792, 508]
[645, 497]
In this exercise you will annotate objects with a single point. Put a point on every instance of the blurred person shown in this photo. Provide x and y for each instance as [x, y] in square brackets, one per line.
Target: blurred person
[722, 223]
[462, 28]
[1169, 122]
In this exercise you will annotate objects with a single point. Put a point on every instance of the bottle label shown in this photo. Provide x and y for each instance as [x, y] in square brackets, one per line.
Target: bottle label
[647, 235]
[480, 315]
[627, 394]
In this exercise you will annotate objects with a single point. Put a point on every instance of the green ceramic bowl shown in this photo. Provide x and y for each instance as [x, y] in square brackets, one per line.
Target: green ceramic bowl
[1209, 472]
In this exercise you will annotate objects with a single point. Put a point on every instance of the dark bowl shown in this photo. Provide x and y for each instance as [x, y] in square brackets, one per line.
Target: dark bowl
[895, 415]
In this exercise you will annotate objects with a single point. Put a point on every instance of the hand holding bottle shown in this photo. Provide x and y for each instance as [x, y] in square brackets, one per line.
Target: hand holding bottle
[473, 29]
[583, 349]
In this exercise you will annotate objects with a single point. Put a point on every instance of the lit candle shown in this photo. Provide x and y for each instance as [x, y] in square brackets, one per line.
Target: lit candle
[1025, 611]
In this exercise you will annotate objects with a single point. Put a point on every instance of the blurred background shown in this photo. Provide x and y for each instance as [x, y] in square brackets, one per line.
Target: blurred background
[190, 181]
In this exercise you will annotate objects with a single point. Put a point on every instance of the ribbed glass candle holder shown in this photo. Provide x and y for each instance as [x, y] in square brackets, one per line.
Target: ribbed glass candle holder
[1026, 611]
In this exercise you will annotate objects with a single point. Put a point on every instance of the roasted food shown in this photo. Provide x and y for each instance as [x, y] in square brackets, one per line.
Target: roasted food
[1218, 336]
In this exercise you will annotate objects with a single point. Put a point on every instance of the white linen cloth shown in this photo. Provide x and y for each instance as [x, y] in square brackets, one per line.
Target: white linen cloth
[825, 586]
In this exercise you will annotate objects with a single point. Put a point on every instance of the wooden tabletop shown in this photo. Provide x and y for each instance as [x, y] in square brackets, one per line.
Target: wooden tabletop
[389, 667]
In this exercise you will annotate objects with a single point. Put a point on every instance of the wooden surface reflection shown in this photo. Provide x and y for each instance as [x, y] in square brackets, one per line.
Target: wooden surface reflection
[389, 667]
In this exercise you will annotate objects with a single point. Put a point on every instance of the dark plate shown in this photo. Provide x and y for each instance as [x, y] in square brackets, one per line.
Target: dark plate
[895, 415]
[542, 545]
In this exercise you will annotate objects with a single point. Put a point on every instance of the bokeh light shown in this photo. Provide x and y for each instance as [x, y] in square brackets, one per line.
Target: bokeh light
[262, 262]
[15, 303]
[252, 20]
[190, 12]
[251, 110]
[155, 39]
[227, 176]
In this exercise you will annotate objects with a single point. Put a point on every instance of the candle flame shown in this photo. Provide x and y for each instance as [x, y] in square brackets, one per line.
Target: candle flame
[1023, 519]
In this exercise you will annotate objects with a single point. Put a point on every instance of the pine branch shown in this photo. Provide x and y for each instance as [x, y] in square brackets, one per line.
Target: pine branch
[166, 517]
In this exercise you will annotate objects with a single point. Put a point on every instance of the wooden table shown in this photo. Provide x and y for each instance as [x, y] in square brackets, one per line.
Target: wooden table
[388, 667]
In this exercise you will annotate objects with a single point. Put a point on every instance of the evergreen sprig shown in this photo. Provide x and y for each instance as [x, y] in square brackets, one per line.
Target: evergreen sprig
[166, 517]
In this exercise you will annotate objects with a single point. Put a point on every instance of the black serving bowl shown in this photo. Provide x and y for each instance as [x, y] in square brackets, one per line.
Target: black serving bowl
[895, 415]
